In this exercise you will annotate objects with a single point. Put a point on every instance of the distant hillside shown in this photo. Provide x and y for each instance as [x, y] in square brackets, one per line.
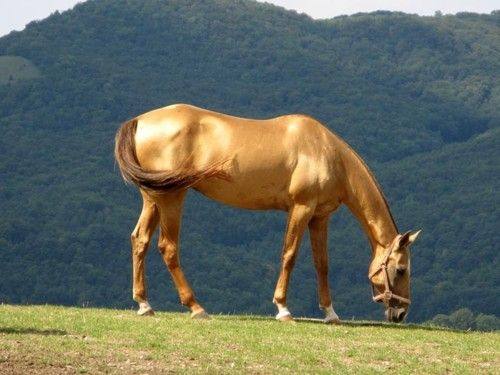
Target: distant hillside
[418, 97]
[15, 68]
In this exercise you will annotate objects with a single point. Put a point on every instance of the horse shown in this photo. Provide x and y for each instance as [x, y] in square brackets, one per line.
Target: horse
[291, 163]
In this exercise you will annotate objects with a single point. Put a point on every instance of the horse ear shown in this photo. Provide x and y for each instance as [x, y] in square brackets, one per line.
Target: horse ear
[408, 238]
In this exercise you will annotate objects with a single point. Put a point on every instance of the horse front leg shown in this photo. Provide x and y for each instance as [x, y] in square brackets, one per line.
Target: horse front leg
[140, 239]
[170, 207]
[298, 217]
[318, 231]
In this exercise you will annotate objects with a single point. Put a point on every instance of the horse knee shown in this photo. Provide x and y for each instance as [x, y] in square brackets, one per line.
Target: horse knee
[171, 260]
[139, 243]
[289, 259]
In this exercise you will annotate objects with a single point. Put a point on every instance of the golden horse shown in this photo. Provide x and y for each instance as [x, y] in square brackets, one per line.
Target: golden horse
[291, 163]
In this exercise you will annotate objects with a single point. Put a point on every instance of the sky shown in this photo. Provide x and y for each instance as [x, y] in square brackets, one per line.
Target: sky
[15, 14]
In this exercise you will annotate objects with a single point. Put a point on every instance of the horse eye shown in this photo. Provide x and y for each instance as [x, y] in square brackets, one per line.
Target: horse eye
[401, 271]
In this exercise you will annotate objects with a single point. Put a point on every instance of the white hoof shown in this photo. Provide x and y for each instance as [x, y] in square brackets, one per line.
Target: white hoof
[145, 309]
[331, 316]
[284, 315]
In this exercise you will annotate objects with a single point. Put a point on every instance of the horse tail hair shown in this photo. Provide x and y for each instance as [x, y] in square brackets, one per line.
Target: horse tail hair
[131, 170]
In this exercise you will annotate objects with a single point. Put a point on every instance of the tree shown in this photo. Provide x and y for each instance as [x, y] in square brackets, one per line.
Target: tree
[487, 323]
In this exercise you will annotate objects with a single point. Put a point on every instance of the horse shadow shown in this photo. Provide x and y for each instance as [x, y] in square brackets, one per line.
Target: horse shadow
[32, 331]
[380, 324]
[362, 323]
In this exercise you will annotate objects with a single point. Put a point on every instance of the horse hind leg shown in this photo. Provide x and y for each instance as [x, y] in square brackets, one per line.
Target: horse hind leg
[140, 239]
[170, 208]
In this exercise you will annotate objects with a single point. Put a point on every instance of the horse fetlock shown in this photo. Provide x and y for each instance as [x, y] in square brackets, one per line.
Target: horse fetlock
[279, 299]
[325, 301]
[188, 300]
[139, 295]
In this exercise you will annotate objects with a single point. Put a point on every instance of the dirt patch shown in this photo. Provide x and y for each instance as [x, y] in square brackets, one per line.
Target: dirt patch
[19, 359]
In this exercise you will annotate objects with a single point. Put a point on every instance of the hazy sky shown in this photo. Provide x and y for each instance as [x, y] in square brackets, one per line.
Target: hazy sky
[14, 14]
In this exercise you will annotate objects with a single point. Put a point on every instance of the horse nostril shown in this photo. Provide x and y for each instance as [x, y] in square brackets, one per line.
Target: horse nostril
[388, 314]
[395, 315]
[400, 314]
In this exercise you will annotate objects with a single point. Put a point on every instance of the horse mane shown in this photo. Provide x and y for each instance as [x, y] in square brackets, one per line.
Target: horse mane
[131, 170]
[375, 182]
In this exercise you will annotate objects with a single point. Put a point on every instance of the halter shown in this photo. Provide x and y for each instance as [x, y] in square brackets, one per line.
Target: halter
[387, 295]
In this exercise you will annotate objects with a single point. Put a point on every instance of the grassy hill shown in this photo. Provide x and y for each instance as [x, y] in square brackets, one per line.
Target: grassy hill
[41, 339]
[15, 68]
[416, 96]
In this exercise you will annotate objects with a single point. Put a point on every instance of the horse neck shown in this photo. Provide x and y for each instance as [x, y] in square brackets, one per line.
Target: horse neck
[366, 201]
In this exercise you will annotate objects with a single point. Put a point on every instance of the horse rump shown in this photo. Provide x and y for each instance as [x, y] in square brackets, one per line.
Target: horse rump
[158, 181]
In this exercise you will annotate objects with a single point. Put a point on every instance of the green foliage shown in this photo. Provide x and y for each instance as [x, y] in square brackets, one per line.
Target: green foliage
[416, 96]
[464, 319]
[487, 322]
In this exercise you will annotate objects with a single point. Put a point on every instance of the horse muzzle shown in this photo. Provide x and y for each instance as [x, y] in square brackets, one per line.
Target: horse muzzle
[396, 314]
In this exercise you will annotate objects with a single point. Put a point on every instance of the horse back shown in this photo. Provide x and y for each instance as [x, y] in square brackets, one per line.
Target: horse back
[268, 162]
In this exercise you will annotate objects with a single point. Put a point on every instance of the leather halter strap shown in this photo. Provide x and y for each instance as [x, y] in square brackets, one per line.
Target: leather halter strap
[387, 295]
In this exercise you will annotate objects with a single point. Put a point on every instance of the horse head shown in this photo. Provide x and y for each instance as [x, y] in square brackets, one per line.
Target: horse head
[389, 274]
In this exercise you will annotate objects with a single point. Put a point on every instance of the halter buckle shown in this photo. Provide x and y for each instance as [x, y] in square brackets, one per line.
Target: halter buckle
[388, 296]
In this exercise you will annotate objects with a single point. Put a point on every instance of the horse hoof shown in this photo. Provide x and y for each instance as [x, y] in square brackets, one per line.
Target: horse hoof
[286, 319]
[332, 321]
[200, 315]
[284, 315]
[331, 316]
[146, 312]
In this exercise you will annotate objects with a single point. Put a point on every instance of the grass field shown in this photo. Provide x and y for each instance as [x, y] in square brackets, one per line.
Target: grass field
[16, 68]
[50, 339]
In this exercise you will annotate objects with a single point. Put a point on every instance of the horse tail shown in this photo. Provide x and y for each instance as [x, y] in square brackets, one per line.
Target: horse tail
[131, 170]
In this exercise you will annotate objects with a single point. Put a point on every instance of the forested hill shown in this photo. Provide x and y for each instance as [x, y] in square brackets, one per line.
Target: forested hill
[418, 97]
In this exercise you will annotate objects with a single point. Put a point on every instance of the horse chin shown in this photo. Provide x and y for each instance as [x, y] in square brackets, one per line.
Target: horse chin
[395, 314]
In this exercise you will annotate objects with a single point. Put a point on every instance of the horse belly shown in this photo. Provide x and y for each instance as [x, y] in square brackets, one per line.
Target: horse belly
[257, 191]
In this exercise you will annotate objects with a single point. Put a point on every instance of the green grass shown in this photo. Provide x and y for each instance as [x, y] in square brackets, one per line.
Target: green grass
[16, 68]
[49, 339]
